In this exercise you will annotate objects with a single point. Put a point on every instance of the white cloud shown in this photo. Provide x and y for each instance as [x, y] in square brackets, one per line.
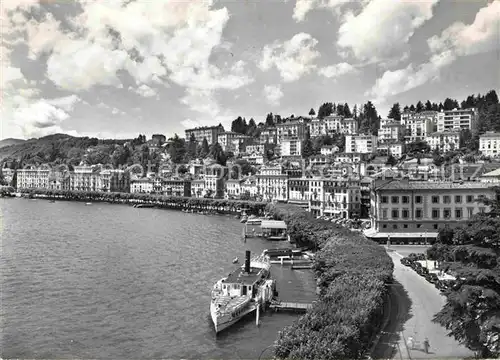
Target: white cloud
[146, 91]
[273, 94]
[455, 41]
[303, 7]
[380, 32]
[293, 59]
[337, 70]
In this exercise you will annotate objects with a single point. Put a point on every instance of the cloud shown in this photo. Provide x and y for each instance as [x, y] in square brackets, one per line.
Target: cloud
[208, 111]
[337, 70]
[303, 7]
[145, 91]
[293, 59]
[273, 94]
[455, 41]
[380, 32]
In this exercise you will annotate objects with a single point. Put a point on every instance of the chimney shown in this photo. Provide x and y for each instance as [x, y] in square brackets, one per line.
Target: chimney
[247, 261]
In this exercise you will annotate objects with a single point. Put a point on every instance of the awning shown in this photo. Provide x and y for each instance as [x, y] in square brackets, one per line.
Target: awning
[379, 235]
[273, 224]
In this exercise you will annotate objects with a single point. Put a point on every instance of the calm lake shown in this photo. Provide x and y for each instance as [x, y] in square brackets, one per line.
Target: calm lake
[114, 282]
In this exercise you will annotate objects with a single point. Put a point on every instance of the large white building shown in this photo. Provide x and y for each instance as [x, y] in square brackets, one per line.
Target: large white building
[489, 144]
[456, 119]
[444, 141]
[142, 185]
[419, 125]
[364, 144]
[233, 142]
[272, 183]
[391, 131]
[340, 125]
[33, 178]
[317, 127]
[291, 147]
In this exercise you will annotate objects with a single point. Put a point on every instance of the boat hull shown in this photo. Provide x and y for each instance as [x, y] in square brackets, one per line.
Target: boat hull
[222, 322]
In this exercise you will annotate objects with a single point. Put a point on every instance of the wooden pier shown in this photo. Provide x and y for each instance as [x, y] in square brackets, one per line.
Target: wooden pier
[302, 266]
[290, 306]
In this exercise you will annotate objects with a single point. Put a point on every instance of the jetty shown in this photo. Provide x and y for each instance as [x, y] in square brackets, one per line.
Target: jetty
[302, 266]
[277, 305]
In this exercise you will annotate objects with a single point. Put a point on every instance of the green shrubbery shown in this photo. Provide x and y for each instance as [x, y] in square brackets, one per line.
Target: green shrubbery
[352, 273]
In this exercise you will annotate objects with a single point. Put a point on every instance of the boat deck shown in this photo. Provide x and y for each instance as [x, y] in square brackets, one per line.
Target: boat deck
[228, 303]
[240, 276]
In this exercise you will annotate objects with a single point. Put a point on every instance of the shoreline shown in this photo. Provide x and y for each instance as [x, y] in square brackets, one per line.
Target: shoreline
[219, 206]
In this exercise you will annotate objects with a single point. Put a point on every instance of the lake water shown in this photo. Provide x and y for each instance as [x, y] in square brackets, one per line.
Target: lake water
[114, 282]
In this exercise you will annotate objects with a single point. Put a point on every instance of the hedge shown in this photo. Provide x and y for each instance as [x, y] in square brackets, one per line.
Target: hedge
[352, 273]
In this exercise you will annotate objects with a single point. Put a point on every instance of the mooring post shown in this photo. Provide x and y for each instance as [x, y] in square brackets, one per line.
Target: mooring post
[258, 313]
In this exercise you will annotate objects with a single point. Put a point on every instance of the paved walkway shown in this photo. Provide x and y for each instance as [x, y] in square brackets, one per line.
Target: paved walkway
[414, 301]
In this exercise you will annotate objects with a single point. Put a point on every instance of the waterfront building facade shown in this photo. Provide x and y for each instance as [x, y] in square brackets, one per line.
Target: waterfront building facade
[33, 178]
[176, 187]
[419, 209]
[141, 185]
[86, 178]
[272, 183]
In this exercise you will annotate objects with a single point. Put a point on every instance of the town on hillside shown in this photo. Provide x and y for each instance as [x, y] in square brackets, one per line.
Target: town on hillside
[406, 176]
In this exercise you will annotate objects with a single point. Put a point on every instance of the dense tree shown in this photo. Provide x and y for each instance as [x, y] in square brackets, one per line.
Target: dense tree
[355, 112]
[13, 182]
[419, 107]
[176, 149]
[391, 160]
[252, 128]
[278, 119]
[270, 120]
[450, 104]
[325, 109]
[369, 120]
[395, 112]
[239, 125]
[312, 112]
[204, 149]
[412, 108]
[428, 106]
[217, 154]
[406, 109]
[191, 149]
[2, 178]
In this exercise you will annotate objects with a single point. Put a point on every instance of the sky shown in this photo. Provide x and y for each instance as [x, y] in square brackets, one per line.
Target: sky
[119, 68]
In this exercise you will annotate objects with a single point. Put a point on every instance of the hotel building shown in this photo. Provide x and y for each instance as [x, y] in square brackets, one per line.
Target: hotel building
[404, 210]
[33, 178]
[272, 183]
[292, 129]
[489, 144]
[444, 141]
[209, 132]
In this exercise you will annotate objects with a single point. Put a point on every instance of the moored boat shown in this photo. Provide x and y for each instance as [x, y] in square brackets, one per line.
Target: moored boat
[241, 292]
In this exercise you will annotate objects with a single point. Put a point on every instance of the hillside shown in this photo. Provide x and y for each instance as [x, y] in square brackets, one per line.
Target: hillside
[10, 141]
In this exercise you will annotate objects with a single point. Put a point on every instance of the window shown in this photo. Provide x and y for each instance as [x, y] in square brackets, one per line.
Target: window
[435, 213]
[405, 226]
[405, 199]
[446, 199]
[394, 226]
[384, 214]
[481, 210]
[419, 226]
[458, 199]
[384, 199]
[418, 199]
[384, 226]
[395, 213]
[405, 214]
[395, 199]
[418, 213]
[458, 213]
[470, 198]
[435, 199]
[470, 212]
[435, 226]
[447, 213]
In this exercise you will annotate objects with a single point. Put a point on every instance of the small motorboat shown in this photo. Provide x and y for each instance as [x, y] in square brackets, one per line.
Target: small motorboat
[88, 203]
[235, 260]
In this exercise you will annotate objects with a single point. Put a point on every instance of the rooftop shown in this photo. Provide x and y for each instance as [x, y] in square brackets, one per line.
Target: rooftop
[490, 134]
[429, 185]
[273, 224]
[239, 276]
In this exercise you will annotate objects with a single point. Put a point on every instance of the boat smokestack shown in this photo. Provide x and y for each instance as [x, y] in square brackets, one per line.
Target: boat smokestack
[247, 261]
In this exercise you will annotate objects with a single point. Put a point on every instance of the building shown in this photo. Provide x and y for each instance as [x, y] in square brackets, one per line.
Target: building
[317, 127]
[489, 144]
[176, 187]
[404, 210]
[214, 181]
[364, 144]
[291, 130]
[33, 178]
[333, 123]
[233, 189]
[298, 191]
[257, 149]
[142, 185]
[208, 132]
[395, 149]
[444, 141]
[291, 147]
[233, 142]
[272, 183]
[198, 188]
[249, 187]
[341, 197]
[115, 180]
[86, 178]
[352, 158]
[391, 131]
[349, 126]
[254, 159]
[329, 150]
[456, 120]
[268, 136]
[418, 125]
[7, 174]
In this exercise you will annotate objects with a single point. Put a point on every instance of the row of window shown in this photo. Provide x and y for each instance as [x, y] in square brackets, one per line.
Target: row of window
[405, 226]
[435, 213]
[436, 199]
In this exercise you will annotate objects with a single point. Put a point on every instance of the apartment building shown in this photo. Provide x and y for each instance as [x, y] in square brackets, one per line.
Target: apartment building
[395, 149]
[349, 126]
[198, 188]
[351, 158]
[336, 197]
[489, 144]
[364, 144]
[233, 189]
[233, 142]
[298, 191]
[317, 127]
[272, 183]
[456, 119]
[115, 180]
[207, 132]
[419, 125]
[268, 136]
[291, 130]
[391, 131]
[416, 210]
[176, 187]
[249, 187]
[33, 178]
[444, 141]
[214, 181]
[291, 147]
[257, 149]
[333, 123]
[142, 185]
[86, 178]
